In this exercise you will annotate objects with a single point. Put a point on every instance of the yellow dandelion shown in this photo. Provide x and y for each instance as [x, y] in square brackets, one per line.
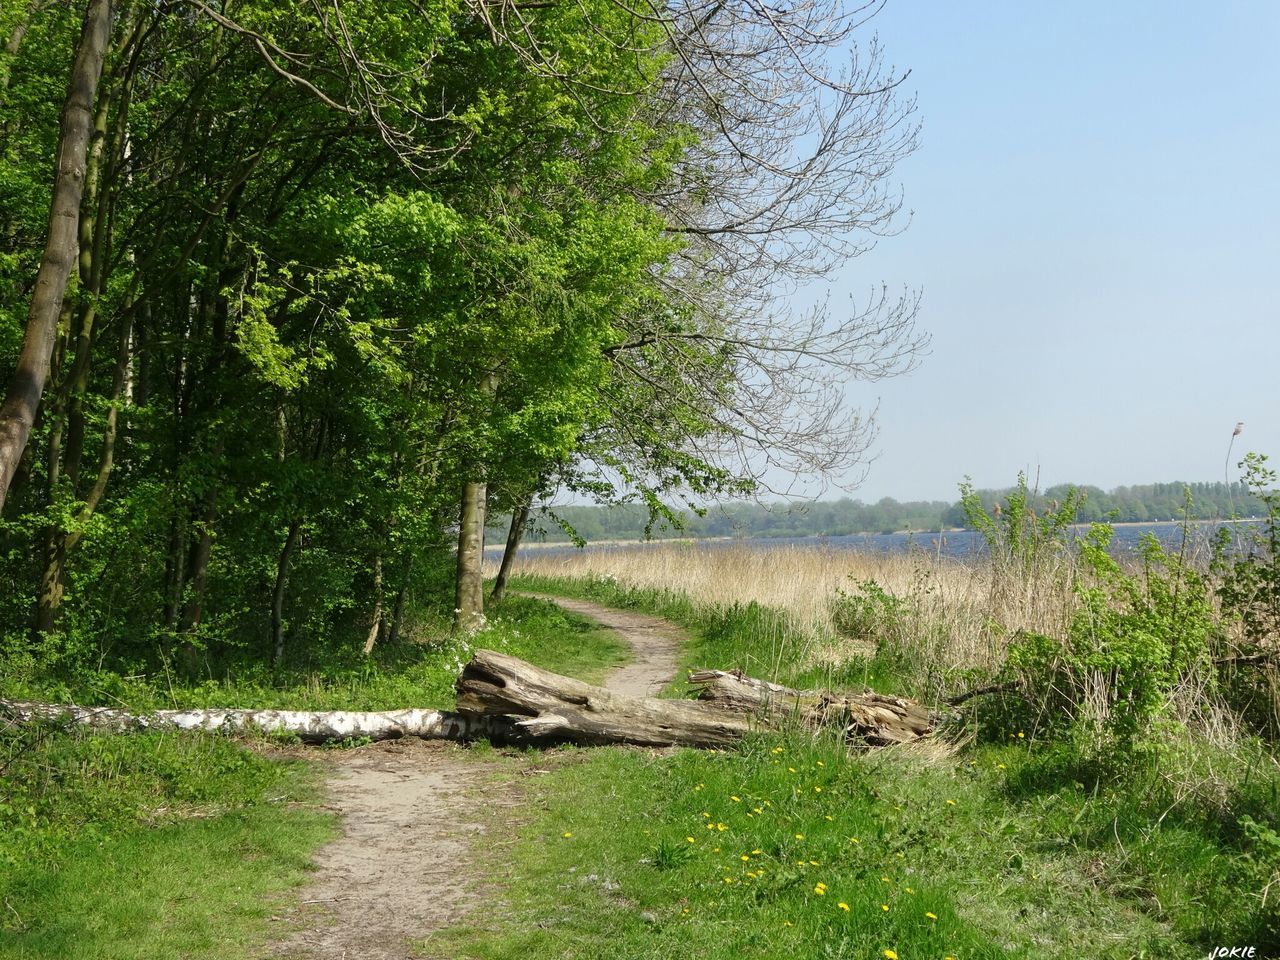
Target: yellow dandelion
[706, 815]
[787, 923]
[715, 849]
[567, 834]
[821, 764]
[931, 916]
[757, 810]
[951, 803]
[831, 818]
[1021, 735]
[777, 749]
[711, 826]
[721, 827]
[908, 889]
[886, 879]
[799, 836]
[736, 799]
[820, 890]
[884, 907]
[817, 789]
[791, 769]
[999, 766]
[728, 879]
[854, 840]
[756, 853]
[890, 955]
[691, 840]
[814, 863]
[843, 906]
[745, 858]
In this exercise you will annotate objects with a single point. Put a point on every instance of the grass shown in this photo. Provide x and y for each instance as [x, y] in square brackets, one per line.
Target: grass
[1016, 846]
[162, 845]
[418, 673]
[149, 845]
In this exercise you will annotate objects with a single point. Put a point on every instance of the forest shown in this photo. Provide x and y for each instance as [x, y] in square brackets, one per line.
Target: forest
[292, 297]
[1141, 503]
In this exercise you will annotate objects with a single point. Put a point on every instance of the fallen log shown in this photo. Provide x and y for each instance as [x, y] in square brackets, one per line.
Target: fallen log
[507, 700]
[874, 718]
[311, 726]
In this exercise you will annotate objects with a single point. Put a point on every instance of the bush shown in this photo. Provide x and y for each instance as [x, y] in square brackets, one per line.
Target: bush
[1135, 642]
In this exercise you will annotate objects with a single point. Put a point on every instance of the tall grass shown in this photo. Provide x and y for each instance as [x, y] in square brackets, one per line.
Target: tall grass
[952, 618]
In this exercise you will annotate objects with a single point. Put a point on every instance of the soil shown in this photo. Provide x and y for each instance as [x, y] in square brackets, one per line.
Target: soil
[410, 809]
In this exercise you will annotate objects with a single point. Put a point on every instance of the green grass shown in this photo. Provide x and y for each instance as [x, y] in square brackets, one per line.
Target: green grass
[407, 674]
[759, 640]
[156, 845]
[147, 845]
[1016, 847]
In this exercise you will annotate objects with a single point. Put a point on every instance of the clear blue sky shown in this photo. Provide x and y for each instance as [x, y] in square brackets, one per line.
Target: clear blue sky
[1097, 238]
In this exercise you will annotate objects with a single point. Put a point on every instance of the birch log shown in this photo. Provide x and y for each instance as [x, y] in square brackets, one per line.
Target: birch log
[309, 725]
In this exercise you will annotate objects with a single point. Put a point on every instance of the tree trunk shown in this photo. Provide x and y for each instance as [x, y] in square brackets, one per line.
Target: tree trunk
[519, 519]
[278, 592]
[311, 726]
[375, 625]
[731, 705]
[468, 605]
[510, 701]
[18, 412]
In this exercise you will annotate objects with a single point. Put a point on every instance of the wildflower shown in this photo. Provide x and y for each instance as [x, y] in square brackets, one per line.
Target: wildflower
[566, 834]
[821, 764]
[745, 858]
[951, 803]
[791, 769]
[1021, 735]
[843, 906]
[728, 879]
[777, 750]
[817, 789]
[705, 815]
[756, 853]
[831, 818]
[886, 879]
[814, 863]
[787, 923]
[757, 810]
[736, 799]
[715, 849]
[691, 840]
[999, 766]
[799, 836]
[820, 889]
[908, 889]
[931, 916]
[891, 955]
[854, 840]
[721, 827]
[711, 826]
[884, 907]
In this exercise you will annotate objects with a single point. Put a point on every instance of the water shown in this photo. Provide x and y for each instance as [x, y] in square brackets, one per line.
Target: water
[957, 544]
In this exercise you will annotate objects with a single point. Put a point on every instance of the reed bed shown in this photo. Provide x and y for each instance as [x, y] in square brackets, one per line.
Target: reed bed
[947, 615]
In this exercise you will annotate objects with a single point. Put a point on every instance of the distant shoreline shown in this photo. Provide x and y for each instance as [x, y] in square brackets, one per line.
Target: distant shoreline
[636, 541]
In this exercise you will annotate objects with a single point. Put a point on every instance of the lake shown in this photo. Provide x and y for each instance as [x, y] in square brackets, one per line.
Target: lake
[957, 544]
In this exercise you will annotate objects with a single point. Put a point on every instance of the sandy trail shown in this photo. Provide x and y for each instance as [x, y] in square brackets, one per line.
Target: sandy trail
[410, 808]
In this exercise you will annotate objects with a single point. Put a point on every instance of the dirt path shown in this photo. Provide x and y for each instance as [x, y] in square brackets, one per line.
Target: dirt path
[409, 810]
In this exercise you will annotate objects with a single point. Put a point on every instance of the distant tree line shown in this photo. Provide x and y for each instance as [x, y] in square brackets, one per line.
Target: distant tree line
[1142, 503]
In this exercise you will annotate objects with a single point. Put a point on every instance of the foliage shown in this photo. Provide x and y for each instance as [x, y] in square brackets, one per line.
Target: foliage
[1246, 561]
[1135, 643]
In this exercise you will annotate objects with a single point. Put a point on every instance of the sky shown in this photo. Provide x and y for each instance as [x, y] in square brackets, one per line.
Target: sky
[1096, 236]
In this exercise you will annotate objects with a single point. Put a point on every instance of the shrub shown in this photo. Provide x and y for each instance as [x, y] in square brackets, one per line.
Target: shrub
[1135, 641]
